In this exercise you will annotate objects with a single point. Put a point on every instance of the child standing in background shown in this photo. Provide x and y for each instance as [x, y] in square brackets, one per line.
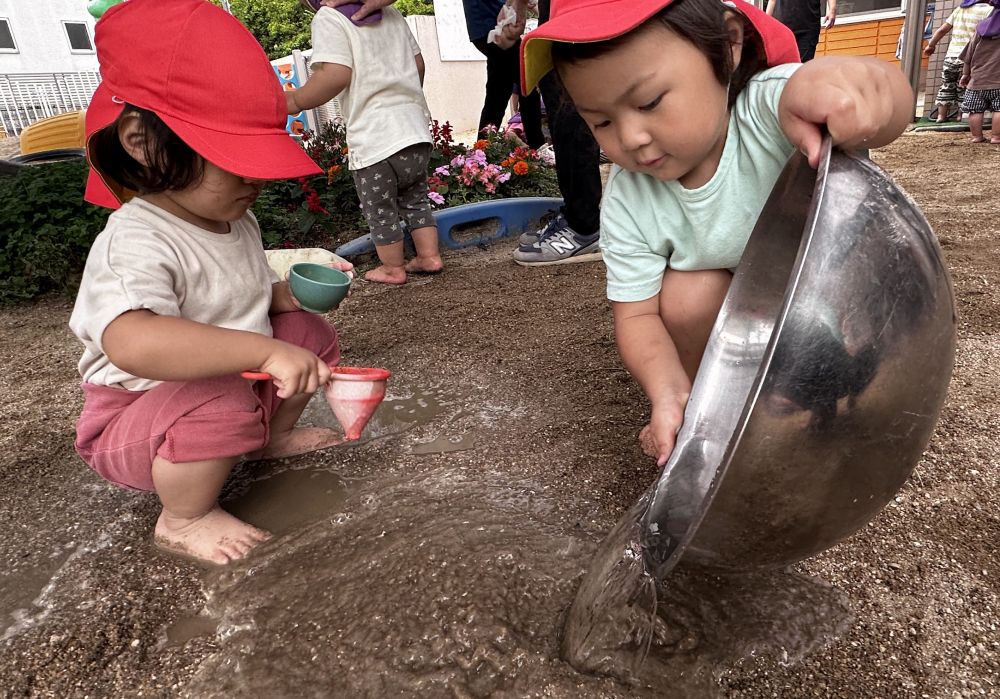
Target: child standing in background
[961, 24]
[981, 75]
[177, 297]
[699, 103]
[377, 69]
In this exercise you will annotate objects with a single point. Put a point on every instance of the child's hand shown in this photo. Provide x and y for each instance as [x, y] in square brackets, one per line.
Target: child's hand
[290, 105]
[963, 81]
[861, 102]
[657, 439]
[295, 370]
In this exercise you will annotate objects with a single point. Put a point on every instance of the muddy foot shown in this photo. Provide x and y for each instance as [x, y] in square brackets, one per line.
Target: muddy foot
[387, 275]
[215, 537]
[425, 265]
[301, 440]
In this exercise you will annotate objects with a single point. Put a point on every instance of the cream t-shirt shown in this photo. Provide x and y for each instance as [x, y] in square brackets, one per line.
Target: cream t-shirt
[963, 21]
[384, 106]
[147, 258]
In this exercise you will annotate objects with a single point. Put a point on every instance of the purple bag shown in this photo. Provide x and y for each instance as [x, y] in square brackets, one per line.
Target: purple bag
[347, 10]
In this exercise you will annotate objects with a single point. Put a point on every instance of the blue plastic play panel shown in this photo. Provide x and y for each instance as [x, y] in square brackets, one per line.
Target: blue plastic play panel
[514, 216]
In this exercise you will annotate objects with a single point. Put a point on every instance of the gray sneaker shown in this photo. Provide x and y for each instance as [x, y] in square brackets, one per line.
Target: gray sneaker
[559, 244]
[529, 238]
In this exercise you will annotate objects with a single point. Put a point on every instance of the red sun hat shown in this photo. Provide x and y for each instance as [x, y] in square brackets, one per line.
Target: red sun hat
[197, 68]
[584, 21]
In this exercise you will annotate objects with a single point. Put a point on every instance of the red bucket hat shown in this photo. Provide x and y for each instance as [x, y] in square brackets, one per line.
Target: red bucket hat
[582, 21]
[197, 68]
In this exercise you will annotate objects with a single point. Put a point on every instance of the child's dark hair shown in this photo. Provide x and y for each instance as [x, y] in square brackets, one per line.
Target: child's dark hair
[173, 164]
[702, 22]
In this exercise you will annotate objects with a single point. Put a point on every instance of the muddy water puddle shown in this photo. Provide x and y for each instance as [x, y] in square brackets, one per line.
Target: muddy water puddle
[455, 579]
[460, 583]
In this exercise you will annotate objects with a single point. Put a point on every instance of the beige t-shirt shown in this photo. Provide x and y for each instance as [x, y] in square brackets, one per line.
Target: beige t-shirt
[384, 106]
[963, 21]
[147, 258]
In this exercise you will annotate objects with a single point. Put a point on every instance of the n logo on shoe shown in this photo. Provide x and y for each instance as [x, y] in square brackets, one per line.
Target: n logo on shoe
[562, 244]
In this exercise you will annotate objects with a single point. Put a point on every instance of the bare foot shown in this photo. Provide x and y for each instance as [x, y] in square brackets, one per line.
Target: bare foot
[995, 140]
[425, 265]
[215, 537]
[978, 139]
[300, 440]
[387, 275]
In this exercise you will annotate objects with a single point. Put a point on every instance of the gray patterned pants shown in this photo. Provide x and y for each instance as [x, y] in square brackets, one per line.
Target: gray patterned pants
[950, 92]
[395, 190]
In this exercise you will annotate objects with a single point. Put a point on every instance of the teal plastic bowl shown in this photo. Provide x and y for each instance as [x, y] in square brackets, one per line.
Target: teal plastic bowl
[318, 288]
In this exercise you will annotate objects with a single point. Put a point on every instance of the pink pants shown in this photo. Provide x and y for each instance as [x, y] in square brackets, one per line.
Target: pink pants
[120, 432]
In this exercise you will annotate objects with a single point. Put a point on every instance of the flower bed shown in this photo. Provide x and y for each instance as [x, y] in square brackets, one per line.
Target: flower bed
[323, 211]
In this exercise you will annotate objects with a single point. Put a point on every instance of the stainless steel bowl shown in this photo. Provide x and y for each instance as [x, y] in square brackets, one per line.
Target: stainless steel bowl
[822, 381]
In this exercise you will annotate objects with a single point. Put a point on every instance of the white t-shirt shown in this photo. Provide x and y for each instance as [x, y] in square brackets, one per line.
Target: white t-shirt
[147, 258]
[648, 225]
[384, 106]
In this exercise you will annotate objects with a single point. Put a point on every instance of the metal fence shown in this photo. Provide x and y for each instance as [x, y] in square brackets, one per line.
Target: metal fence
[28, 97]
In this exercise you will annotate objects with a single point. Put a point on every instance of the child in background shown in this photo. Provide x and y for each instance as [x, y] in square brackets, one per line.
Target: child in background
[961, 23]
[699, 103]
[378, 68]
[177, 297]
[981, 75]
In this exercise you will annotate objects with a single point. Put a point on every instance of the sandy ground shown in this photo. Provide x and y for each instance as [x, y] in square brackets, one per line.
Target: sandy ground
[921, 579]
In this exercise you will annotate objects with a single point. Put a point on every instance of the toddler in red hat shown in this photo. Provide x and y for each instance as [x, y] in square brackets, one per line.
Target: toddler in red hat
[177, 297]
[699, 103]
[377, 70]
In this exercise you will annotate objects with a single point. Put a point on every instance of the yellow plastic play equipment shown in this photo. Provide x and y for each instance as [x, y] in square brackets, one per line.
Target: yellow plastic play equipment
[56, 133]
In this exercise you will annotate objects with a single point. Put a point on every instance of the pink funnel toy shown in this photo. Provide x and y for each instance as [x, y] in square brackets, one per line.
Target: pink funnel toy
[353, 394]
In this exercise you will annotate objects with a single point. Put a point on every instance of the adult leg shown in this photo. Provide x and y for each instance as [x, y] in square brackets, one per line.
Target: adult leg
[573, 235]
[498, 84]
[807, 41]
[577, 153]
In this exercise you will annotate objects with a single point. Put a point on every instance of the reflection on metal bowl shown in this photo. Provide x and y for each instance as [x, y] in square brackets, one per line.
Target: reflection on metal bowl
[822, 380]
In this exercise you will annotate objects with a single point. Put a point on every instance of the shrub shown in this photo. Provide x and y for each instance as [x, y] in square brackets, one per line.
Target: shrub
[46, 230]
[414, 7]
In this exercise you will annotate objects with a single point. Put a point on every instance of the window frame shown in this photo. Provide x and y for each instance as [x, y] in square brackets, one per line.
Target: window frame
[86, 28]
[10, 29]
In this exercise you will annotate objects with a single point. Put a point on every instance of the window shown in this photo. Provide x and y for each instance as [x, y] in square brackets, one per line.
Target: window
[79, 37]
[854, 7]
[7, 44]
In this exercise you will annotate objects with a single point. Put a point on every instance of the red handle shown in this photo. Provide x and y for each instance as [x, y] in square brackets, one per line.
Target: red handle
[255, 375]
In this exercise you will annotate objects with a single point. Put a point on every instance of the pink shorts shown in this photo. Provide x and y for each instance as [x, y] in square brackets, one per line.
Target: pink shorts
[120, 432]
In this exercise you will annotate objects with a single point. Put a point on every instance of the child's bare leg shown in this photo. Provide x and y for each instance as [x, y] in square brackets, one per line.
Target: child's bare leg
[392, 269]
[428, 259]
[995, 132]
[289, 440]
[943, 109]
[192, 522]
[689, 305]
[976, 127]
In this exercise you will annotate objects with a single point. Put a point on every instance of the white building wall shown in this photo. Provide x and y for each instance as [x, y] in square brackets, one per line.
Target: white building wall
[42, 45]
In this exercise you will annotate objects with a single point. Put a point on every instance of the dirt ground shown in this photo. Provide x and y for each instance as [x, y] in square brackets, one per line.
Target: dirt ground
[921, 579]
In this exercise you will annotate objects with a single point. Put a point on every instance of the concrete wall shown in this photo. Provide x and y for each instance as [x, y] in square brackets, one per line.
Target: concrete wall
[42, 45]
[455, 90]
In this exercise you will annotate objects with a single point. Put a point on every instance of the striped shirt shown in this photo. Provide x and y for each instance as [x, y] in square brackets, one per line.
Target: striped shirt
[963, 21]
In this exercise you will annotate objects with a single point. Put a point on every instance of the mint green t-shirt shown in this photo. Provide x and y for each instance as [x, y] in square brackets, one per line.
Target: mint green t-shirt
[648, 225]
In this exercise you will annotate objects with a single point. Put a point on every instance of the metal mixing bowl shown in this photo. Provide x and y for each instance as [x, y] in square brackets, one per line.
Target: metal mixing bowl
[822, 380]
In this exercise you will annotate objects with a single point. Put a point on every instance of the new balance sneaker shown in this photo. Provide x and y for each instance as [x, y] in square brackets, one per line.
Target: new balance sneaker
[559, 244]
[531, 237]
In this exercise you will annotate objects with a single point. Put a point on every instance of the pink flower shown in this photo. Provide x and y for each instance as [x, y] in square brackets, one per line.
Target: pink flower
[435, 197]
